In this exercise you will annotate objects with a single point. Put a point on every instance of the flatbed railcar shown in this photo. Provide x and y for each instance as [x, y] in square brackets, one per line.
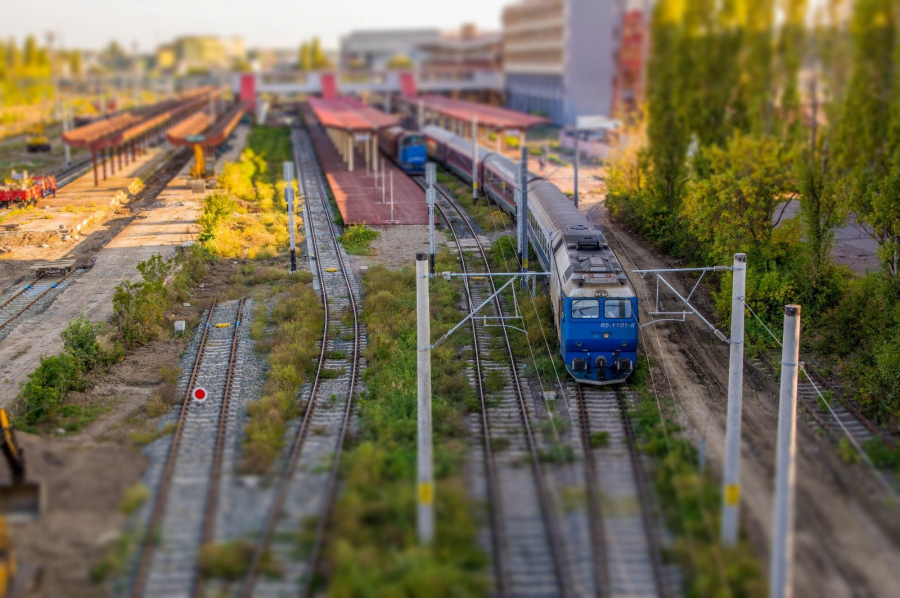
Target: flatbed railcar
[28, 191]
[406, 149]
[594, 304]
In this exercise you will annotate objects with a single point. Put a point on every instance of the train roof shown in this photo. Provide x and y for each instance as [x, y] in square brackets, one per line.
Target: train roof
[460, 144]
[588, 266]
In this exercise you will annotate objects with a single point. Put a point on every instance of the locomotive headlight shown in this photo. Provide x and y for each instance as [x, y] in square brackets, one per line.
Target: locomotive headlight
[605, 335]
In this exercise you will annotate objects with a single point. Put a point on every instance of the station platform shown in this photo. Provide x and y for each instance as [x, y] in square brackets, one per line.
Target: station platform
[356, 195]
[80, 203]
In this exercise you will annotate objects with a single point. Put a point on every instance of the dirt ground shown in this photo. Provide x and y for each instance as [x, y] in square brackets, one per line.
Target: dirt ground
[847, 529]
[397, 246]
[87, 473]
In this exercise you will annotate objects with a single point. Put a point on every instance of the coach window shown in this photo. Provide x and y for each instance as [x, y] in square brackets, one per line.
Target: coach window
[585, 308]
[617, 309]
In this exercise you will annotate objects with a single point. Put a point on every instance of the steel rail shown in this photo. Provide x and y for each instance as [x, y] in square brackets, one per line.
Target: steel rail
[643, 489]
[298, 442]
[148, 544]
[56, 284]
[600, 569]
[212, 498]
[498, 535]
[554, 540]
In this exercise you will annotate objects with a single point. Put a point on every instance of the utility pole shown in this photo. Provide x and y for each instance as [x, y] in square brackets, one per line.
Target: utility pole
[474, 158]
[65, 127]
[430, 180]
[731, 496]
[523, 212]
[421, 114]
[289, 198]
[782, 555]
[577, 164]
[425, 466]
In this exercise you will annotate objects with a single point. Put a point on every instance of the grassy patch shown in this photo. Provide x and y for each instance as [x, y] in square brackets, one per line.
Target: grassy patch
[691, 509]
[292, 349]
[357, 239]
[599, 440]
[112, 563]
[44, 401]
[145, 437]
[135, 496]
[372, 548]
[230, 561]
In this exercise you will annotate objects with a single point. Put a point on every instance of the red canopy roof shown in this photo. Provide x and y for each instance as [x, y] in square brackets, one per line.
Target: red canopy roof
[488, 116]
[349, 114]
[204, 130]
[124, 127]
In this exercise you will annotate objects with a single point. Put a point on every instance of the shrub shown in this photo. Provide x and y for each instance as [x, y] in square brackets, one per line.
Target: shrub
[230, 561]
[357, 239]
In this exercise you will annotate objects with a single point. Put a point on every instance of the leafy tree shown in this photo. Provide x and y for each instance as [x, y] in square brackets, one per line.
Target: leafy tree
[866, 150]
[735, 208]
[667, 133]
[31, 51]
[319, 60]
[305, 63]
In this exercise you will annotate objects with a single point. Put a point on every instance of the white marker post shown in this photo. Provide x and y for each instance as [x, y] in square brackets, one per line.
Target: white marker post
[782, 555]
[289, 198]
[65, 123]
[731, 495]
[425, 465]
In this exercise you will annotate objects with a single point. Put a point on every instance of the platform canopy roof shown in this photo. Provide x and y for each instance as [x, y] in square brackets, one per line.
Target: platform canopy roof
[491, 117]
[199, 128]
[349, 114]
[122, 128]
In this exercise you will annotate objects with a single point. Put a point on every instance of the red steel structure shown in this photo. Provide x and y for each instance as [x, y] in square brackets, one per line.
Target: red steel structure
[628, 90]
[126, 135]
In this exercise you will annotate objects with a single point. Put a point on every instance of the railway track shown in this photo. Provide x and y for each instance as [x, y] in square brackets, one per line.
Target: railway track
[19, 303]
[528, 550]
[307, 487]
[183, 510]
[627, 547]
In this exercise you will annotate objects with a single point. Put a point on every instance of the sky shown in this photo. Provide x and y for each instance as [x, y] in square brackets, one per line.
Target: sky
[91, 24]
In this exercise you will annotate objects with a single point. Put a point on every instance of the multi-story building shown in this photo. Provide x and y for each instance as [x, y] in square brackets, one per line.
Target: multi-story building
[465, 50]
[560, 56]
[379, 50]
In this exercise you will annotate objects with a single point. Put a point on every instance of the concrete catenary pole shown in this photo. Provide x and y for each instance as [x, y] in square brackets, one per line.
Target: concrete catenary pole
[430, 196]
[474, 158]
[782, 553]
[731, 495]
[577, 165]
[523, 212]
[421, 114]
[65, 123]
[289, 198]
[425, 475]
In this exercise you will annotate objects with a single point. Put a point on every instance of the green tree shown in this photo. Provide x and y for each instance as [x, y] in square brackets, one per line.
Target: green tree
[667, 133]
[31, 51]
[306, 62]
[319, 60]
[736, 208]
[869, 127]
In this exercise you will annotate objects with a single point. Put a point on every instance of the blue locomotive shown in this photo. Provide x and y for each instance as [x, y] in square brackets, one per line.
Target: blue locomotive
[594, 303]
[406, 149]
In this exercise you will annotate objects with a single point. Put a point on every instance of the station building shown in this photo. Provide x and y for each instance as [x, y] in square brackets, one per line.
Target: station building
[560, 56]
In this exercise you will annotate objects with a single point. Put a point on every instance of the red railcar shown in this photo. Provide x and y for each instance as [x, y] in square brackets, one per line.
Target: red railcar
[28, 191]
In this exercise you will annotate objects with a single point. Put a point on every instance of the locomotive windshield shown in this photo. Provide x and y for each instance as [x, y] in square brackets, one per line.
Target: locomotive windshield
[585, 308]
[412, 140]
[617, 308]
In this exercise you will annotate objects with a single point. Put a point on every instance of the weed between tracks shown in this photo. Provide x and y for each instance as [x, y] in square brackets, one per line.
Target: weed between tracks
[691, 505]
[357, 239]
[296, 323]
[486, 215]
[372, 547]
